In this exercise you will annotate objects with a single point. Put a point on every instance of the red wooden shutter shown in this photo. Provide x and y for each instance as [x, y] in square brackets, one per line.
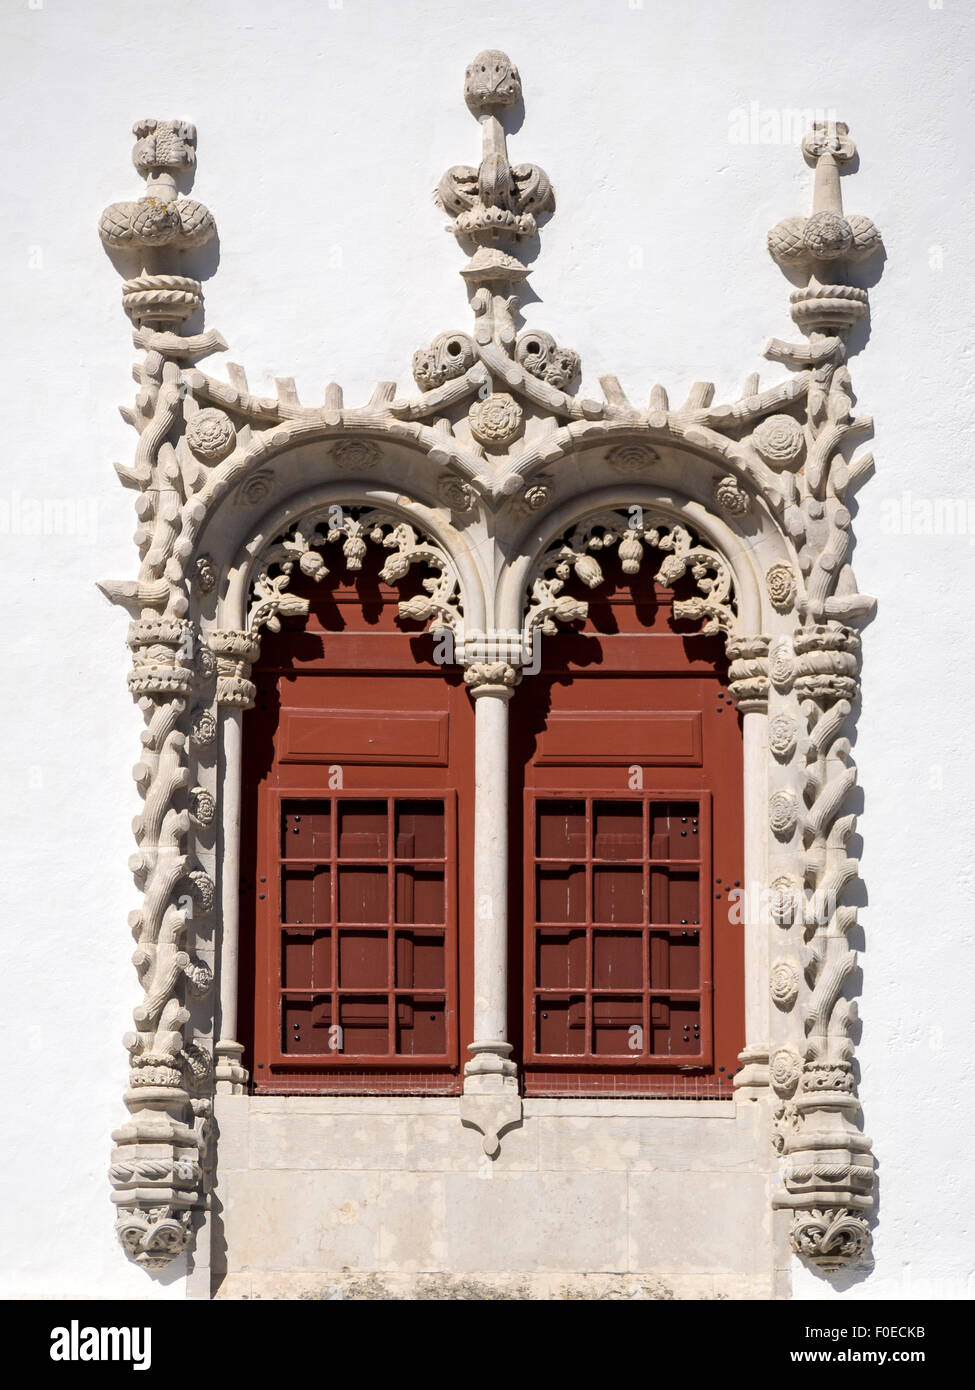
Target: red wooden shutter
[358, 763]
[630, 757]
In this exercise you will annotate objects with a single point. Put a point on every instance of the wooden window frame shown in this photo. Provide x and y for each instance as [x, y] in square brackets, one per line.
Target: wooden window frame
[281, 1072]
[587, 1064]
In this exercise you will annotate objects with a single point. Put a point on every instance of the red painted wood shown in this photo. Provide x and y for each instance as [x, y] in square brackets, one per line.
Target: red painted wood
[626, 775]
[358, 816]
[358, 913]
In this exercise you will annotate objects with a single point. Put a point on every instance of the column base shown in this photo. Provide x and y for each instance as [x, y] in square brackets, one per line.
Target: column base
[230, 1076]
[752, 1082]
[490, 1071]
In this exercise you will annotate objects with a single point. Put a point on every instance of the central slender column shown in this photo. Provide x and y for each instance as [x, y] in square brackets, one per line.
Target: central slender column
[491, 685]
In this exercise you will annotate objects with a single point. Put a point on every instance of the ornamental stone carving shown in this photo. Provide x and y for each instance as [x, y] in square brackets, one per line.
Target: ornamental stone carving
[493, 468]
[783, 813]
[782, 736]
[781, 583]
[497, 420]
[632, 458]
[782, 663]
[449, 356]
[785, 1069]
[784, 984]
[730, 496]
[497, 199]
[203, 727]
[539, 354]
[779, 440]
[785, 897]
[458, 495]
[356, 455]
[490, 675]
[831, 1238]
[210, 435]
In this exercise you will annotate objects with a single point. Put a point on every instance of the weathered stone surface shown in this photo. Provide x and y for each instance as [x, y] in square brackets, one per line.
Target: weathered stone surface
[537, 1221]
[695, 1223]
[303, 1221]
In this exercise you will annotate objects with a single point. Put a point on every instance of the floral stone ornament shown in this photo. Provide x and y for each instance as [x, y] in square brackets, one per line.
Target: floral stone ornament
[497, 420]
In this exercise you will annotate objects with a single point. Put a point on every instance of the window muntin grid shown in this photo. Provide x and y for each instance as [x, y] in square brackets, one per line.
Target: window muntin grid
[618, 941]
[365, 930]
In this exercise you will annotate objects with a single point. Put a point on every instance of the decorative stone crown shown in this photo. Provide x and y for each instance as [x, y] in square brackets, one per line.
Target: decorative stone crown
[827, 239]
[160, 218]
[496, 202]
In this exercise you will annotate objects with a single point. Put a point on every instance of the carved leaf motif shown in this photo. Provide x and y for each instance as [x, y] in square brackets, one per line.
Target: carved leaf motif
[714, 607]
[354, 529]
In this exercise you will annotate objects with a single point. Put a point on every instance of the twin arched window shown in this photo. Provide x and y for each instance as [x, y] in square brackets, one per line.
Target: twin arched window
[624, 834]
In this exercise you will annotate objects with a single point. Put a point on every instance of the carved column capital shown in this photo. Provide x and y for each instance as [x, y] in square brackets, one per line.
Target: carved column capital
[496, 678]
[748, 678]
[161, 656]
[236, 652]
[827, 659]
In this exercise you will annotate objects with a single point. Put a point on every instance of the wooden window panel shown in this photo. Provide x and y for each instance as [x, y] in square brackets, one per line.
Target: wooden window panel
[629, 688]
[366, 928]
[632, 876]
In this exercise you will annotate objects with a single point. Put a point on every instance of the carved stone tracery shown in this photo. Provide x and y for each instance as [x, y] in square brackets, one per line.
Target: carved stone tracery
[484, 438]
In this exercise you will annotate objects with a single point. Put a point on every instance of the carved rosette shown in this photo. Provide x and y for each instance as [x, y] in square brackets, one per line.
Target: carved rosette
[496, 421]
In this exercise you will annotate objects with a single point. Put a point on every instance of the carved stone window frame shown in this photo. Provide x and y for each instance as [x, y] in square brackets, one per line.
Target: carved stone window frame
[498, 481]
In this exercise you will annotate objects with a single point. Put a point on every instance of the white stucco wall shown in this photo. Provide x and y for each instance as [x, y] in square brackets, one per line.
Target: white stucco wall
[323, 128]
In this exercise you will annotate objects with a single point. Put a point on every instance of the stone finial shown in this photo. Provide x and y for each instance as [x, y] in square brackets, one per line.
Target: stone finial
[826, 240]
[491, 80]
[159, 225]
[495, 205]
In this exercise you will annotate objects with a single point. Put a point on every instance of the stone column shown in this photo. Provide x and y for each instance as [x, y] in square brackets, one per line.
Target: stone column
[749, 687]
[235, 653]
[491, 685]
